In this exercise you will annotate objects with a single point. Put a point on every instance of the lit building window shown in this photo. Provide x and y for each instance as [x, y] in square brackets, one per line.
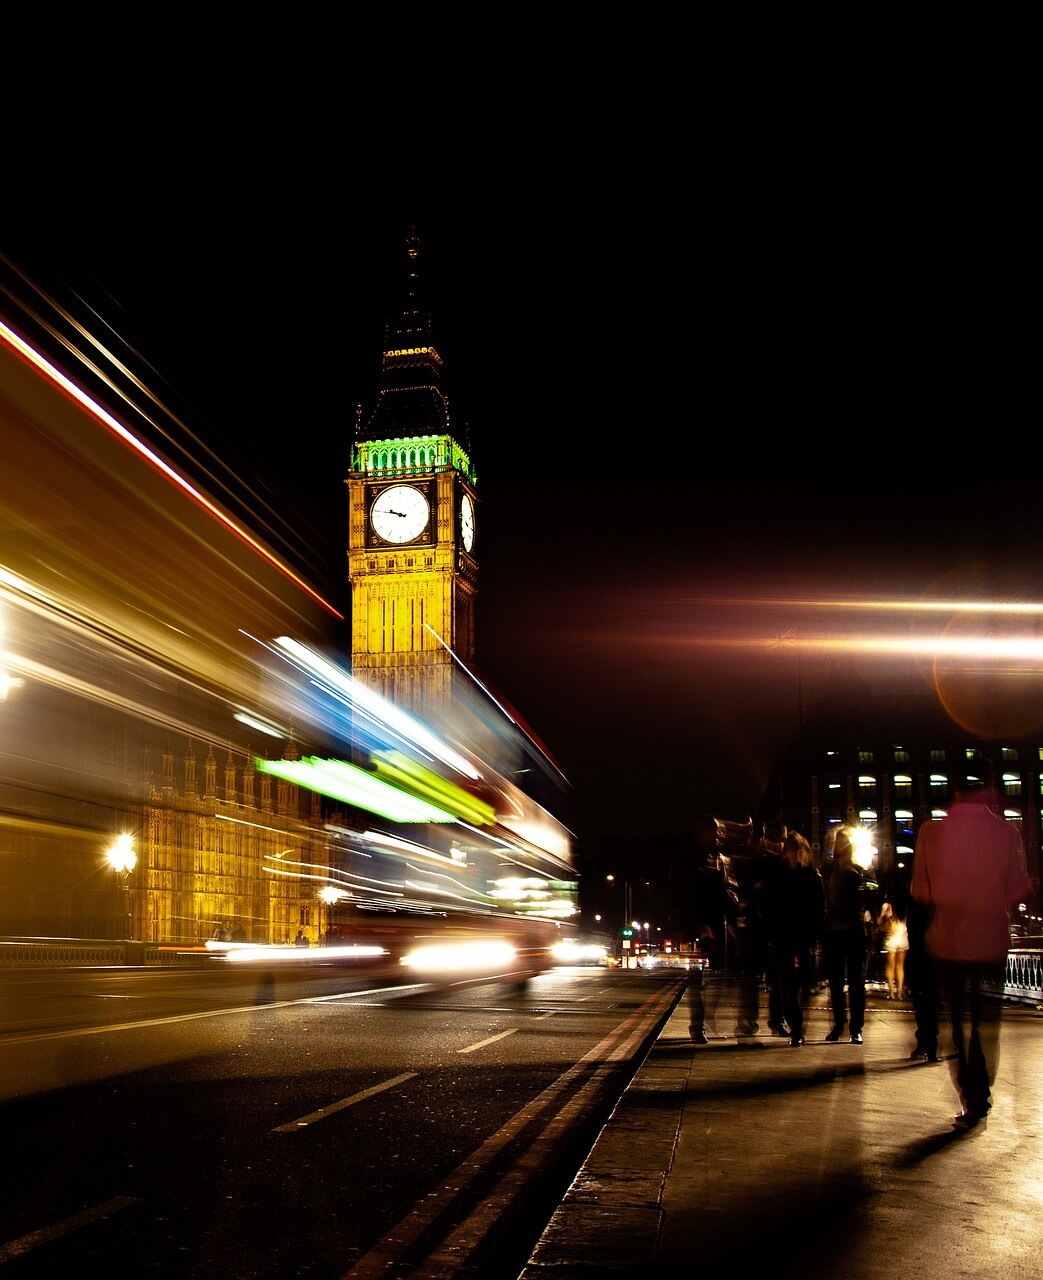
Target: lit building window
[901, 755]
[1008, 755]
[1012, 784]
[937, 755]
[865, 757]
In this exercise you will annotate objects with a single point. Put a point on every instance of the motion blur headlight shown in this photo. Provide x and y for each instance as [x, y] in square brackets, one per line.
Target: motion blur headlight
[460, 957]
[572, 952]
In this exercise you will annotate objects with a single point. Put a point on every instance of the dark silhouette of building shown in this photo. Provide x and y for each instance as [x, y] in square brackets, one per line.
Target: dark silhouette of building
[886, 763]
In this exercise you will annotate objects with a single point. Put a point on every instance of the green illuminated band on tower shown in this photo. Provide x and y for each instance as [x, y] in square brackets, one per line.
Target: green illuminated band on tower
[411, 453]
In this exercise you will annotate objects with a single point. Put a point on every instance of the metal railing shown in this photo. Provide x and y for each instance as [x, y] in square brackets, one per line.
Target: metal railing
[91, 952]
[1023, 981]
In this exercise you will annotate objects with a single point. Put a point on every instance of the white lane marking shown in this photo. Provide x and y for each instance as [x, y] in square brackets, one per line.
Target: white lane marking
[444, 1263]
[25, 1244]
[295, 1126]
[412, 989]
[589, 1071]
[30, 1037]
[492, 1040]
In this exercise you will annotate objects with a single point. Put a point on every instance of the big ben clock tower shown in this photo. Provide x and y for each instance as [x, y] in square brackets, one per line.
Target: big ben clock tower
[412, 524]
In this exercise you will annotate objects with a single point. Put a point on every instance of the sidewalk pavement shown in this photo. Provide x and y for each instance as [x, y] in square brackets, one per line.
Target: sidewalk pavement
[817, 1161]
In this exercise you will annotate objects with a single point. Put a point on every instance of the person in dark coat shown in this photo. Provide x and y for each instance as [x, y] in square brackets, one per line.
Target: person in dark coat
[923, 988]
[748, 873]
[774, 834]
[844, 941]
[794, 911]
[701, 895]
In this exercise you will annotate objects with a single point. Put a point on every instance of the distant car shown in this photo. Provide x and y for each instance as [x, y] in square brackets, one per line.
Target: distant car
[573, 951]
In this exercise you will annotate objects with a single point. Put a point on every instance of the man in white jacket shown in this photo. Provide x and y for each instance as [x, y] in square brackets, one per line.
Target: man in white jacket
[969, 872]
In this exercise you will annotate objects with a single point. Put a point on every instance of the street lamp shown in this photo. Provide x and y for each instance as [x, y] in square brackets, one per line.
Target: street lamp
[611, 880]
[123, 860]
[330, 895]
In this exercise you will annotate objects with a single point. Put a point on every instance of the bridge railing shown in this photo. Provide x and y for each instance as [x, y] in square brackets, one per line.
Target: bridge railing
[92, 952]
[1023, 981]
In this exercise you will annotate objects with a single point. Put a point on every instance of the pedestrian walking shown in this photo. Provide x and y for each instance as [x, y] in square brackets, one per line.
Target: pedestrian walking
[923, 988]
[700, 891]
[969, 871]
[844, 941]
[772, 839]
[894, 933]
[794, 909]
[747, 938]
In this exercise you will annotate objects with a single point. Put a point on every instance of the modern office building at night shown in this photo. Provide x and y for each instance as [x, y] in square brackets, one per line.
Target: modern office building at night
[886, 763]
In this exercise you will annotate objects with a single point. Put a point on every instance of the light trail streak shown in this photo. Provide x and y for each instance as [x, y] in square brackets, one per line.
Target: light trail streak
[1016, 607]
[988, 648]
[107, 420]
[385, 712]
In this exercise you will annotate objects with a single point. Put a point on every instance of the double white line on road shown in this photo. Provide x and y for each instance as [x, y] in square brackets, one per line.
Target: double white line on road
[445, 1261]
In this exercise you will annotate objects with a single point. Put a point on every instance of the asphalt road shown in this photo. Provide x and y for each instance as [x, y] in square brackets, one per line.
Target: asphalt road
[182, 1124]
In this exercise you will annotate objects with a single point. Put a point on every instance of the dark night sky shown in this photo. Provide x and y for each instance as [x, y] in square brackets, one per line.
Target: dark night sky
[734, 393]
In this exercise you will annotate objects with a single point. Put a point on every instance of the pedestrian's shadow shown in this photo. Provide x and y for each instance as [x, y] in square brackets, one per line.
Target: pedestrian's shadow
[919, 1150]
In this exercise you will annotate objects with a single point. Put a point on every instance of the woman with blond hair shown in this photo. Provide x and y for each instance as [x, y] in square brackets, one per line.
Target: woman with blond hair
[895, 934]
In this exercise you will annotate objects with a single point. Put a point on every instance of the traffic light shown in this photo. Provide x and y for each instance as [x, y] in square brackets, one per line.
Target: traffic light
[626, 933]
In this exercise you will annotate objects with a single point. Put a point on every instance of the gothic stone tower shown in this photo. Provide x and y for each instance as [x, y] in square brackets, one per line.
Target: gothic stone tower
[412, 524]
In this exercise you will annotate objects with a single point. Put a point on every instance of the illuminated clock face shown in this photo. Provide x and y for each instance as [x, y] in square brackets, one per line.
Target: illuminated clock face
[467, 522]
[400, 513]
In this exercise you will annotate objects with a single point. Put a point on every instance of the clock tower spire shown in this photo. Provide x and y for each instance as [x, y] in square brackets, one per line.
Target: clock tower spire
[411, 531]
